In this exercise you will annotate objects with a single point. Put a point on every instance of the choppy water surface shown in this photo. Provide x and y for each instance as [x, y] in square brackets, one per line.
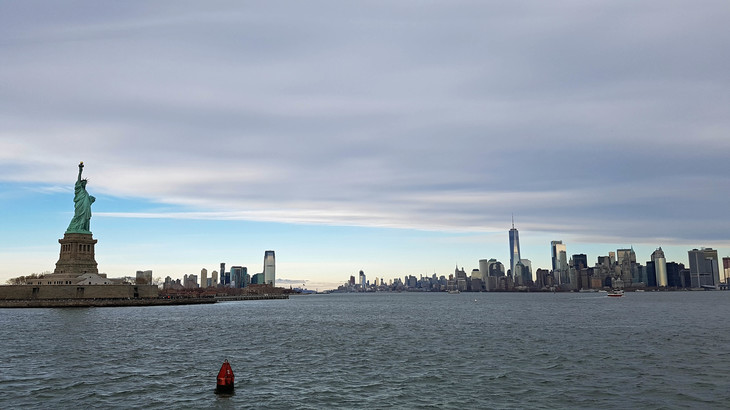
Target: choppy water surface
[409, 350]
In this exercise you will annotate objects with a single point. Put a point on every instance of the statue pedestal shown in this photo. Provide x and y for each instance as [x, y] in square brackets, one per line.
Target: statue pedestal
[77, 255]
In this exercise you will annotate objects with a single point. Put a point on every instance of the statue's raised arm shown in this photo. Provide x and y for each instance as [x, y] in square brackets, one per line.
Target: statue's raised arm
[82, 206]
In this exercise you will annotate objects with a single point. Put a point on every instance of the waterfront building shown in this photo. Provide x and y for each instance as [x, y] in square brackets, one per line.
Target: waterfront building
[223, 275]
[172, 284]
[460, 278]
[559, 254]
[626, 261]
[362, 279]
[204, 278]
[496, 268]
[257, 279]
[514, 247]
[580, 261]
[543, 278]
[660, 268]
[726, 269]
[523, 273]
[239, 277]
[604, 261]
[703, 268]
[143, 277]
[596, 279]
[578, 276]
[651, 276]
[190, 281]
[484, 268]
[269, 268]
[674, 275]
[639, 274]
[214, 278]
[602, 272]
[477, 280]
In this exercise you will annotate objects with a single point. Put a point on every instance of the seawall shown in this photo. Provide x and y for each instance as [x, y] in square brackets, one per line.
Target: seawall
[39, 292]
[55, 303]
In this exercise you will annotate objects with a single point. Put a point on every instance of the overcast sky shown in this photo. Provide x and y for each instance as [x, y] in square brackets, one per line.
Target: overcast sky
[414, 129]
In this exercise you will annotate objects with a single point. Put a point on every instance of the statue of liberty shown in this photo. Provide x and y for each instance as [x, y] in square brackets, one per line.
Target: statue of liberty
[82, 206]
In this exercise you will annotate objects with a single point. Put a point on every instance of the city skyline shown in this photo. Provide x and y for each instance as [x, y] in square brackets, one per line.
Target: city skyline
[389, 137]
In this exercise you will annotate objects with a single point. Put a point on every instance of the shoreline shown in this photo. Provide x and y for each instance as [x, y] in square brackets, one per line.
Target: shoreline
[62, 303]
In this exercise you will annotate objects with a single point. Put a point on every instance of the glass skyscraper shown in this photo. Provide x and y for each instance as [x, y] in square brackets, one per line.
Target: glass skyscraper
[514, 247]
[269, 268]
[660, 267]
[703, 268]
[560, 262]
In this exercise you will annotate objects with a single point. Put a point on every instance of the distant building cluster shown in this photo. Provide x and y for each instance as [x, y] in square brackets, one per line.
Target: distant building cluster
[617, 270]
[236, 277]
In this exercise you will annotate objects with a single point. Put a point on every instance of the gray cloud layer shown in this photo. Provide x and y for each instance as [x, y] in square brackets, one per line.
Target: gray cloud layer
[594, 118]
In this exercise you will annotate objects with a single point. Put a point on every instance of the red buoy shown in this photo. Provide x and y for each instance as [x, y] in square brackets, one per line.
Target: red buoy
[224, 382]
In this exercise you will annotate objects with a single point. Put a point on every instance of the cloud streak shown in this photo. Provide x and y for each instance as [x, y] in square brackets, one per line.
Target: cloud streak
[606, 119]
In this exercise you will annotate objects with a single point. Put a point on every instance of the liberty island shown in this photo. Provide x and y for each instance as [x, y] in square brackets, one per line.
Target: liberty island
[76, 280]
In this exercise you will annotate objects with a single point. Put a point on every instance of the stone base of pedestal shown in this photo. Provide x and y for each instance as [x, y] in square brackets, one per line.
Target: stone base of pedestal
[77, 255]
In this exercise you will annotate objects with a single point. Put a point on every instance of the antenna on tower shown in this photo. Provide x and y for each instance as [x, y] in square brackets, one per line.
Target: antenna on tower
[513, 221]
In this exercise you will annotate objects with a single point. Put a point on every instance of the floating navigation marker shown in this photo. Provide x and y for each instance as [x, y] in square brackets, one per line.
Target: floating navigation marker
[224, 381]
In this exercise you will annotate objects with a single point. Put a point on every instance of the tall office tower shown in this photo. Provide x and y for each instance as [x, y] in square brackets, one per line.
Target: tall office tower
[459, 273]
[362, 279]
[726, 269]
[626, 260]
[674, 279]
[214, 277]
[238, 278]
[523, 272]
[612, 257]
[703, 268]
[625, 255]
[560, 262]
[543, 278]
[269, 268]
[580, 261]
[651, 276]
[660, 267]
[484, 268]
[496, 268]
[223, 273]
[204, 278]
[514, 247]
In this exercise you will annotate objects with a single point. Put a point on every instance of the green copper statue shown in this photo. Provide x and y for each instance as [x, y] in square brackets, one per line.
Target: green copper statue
[82, 206]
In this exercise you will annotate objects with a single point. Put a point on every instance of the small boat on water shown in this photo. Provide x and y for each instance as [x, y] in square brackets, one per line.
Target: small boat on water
[454, 292]
[616, 293]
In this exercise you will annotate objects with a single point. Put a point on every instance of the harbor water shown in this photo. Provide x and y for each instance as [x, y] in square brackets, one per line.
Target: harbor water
[377, 350]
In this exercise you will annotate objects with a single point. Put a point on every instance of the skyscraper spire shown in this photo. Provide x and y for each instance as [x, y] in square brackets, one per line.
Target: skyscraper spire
[514, 246]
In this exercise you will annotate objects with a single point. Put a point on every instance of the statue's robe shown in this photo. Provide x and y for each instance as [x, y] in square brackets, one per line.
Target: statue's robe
[82, 210]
